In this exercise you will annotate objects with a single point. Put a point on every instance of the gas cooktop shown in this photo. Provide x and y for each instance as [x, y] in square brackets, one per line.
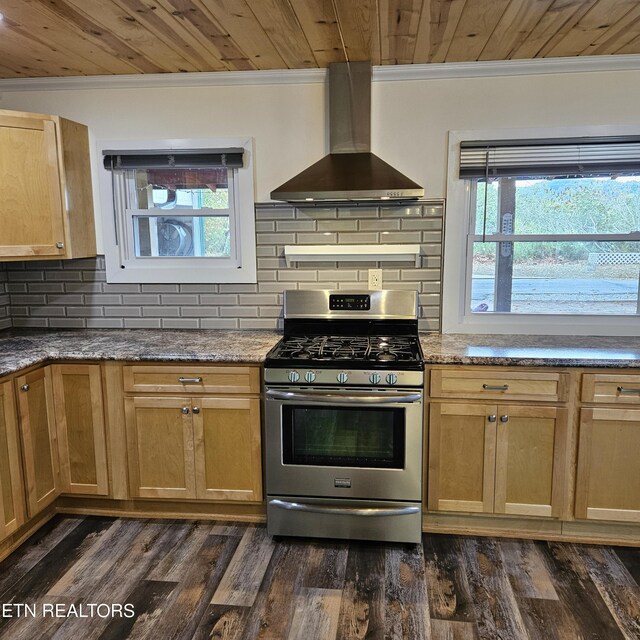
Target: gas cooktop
[356, 351]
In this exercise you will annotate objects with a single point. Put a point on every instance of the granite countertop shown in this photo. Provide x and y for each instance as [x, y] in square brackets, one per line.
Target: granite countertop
[531, 351]
[24, 348]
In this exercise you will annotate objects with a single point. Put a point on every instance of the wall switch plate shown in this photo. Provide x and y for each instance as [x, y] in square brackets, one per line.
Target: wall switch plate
[375, 279]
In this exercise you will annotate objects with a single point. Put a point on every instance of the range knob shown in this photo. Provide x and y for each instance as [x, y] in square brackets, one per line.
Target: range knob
[310, 376]
[342, 377]
[293, 376]
[392, 378]
[374, 378]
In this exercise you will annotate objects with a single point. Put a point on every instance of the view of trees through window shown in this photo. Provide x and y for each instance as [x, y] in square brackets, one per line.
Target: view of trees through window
[584, 258]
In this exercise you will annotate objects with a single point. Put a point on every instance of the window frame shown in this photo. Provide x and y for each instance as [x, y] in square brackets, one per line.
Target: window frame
[457, 316]
[121, 264]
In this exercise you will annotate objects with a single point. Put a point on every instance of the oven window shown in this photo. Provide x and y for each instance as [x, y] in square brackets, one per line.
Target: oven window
[344, 437]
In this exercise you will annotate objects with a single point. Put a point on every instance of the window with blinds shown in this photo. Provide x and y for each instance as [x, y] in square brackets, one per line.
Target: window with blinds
[554, 225]
[176, 215]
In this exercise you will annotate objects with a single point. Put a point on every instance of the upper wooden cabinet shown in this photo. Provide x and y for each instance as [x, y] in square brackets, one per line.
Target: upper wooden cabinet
[46, 208]
[12, 508]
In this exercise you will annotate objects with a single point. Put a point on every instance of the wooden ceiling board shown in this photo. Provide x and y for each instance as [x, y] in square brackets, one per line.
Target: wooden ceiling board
[595, 22]
[445, 17]
[22, 53]
[515, 25]
[97, 33]
[618, 36]
[181, 22]
[51, 30]
[169, 26]
[320, 24]
[128, 28]
[477, 23]
[99, 37]
[399, 21]
[580, 11]
[422, 49]
[280, 23]
[236, 18]
[359, 29]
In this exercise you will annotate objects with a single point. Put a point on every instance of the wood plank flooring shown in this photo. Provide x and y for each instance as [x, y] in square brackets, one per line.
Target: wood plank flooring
[187, 579]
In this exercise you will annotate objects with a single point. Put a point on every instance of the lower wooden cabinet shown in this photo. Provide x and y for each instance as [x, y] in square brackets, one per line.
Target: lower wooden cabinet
[608, 476]
[39, 440]
[12, 507]
[79, 414]
[494, 458]
[194, 448]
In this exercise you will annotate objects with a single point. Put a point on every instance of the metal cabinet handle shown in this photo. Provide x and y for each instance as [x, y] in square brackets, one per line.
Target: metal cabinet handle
[196, 410]
[59, 245]
[190, 380]
[495, 387]
[185, 410]
[628, 390]
[491, 418]
[25, 387]
[504, 418]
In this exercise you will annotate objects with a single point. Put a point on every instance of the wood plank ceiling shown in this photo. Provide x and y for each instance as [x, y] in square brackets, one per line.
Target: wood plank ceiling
[99, 37]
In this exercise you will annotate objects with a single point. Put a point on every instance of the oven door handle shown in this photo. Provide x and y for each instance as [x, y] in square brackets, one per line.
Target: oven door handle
[369, 512]
[333, 398]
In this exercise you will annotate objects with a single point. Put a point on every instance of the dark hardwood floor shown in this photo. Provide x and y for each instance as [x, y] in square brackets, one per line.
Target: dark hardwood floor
[215, 580]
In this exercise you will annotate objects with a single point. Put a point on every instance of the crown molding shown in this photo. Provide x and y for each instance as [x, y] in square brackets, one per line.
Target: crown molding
[390, 73]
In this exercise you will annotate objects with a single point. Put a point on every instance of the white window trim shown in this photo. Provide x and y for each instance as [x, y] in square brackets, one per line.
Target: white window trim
[456, 316]
[183, 270]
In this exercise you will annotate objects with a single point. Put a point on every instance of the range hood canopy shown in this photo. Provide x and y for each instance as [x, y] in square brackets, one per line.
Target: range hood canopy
[350, 172]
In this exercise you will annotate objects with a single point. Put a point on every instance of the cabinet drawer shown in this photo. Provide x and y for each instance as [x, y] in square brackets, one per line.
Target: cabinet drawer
[496, 384]
[191, 379]
[613, 388]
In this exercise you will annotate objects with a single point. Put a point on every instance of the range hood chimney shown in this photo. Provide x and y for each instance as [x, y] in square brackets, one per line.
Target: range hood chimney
[350, 172]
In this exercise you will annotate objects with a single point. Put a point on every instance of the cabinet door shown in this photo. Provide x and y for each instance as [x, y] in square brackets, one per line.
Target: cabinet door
[227, 447]
[11, 488]
[31, 215]
[462, 456]
[608, 480]
[160, 447]
[77, 395]
[37, 424]
[530, 450]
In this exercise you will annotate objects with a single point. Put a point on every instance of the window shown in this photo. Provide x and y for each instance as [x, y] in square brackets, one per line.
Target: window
[551, 230]
[180, 215]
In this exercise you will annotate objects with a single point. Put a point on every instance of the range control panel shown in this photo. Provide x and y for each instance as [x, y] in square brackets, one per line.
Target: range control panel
[349, 302]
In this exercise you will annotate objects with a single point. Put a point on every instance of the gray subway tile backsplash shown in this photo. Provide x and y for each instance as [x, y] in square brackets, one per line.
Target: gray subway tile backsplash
[74, 293]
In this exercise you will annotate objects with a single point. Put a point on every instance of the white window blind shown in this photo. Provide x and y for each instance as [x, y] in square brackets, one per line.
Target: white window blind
[552, 157]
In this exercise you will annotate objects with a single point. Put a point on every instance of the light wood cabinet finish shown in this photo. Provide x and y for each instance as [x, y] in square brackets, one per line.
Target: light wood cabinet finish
[12, 507]
[227, 448]
[496, 458]
[612, 388]
[608, 480]
[194, 448]
[530, 466]
[160, 447]
[39, 440]
[46, 210]
[497, 384]
[79, 411]
[196, 379]
[462, 455]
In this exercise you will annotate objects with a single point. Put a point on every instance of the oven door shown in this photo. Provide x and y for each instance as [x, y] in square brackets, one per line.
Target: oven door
[344, 443]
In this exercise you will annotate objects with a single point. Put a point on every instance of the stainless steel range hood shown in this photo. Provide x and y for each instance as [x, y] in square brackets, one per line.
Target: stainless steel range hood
[350, 172]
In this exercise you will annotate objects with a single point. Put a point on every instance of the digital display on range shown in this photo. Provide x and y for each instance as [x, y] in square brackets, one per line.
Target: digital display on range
[349, 302]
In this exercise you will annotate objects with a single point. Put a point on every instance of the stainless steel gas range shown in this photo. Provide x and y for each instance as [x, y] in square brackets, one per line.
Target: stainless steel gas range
[344, 415]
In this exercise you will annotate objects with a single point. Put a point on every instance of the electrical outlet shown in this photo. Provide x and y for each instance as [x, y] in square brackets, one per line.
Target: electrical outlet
[375, 279]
